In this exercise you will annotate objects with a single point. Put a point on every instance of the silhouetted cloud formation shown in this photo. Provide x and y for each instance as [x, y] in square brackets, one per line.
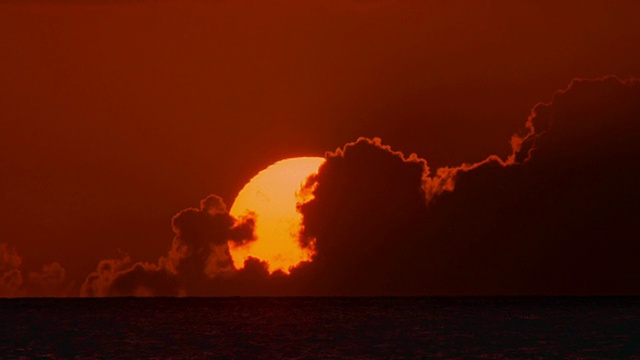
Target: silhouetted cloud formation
[199, 253]
[565, 220]
[559, 216]
[369, 210]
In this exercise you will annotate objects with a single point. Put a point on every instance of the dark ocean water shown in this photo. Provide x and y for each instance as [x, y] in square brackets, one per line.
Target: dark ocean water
[273, 328]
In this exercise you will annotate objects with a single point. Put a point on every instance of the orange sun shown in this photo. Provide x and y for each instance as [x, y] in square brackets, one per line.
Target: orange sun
[271, 196]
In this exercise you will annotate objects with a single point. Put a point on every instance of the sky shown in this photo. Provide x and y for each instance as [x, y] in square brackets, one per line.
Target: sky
[117, 118]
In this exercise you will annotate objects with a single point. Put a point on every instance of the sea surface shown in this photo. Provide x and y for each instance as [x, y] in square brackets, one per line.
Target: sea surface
[322, 328]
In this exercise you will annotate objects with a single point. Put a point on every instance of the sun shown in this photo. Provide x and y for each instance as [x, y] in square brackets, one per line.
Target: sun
[271, 196]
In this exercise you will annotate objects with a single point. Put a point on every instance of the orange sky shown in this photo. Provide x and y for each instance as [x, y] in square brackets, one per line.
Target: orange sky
[116, 115]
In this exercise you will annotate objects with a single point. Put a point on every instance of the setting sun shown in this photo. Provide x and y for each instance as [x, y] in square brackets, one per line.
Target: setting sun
[271, 196]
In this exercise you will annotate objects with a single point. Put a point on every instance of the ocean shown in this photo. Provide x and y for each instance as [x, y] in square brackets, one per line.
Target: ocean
[322, 328]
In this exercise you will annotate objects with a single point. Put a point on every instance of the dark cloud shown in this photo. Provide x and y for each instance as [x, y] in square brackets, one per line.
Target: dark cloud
[99, 282]
[368, 211]
[559, 216]
[198, 254]
[565, 220]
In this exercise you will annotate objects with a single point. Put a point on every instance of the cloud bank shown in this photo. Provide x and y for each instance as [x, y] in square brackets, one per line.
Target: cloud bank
[564, 219]
[558, 216]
